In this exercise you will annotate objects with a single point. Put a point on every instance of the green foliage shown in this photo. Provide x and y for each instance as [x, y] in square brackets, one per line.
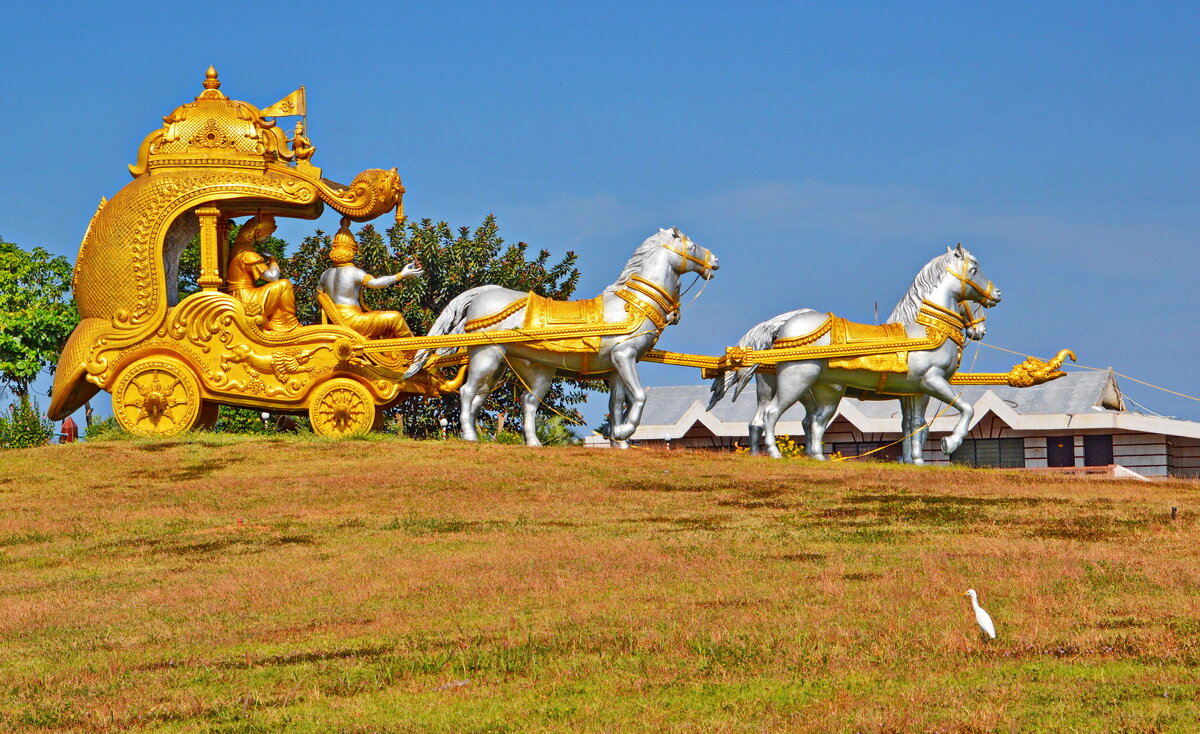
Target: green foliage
[24, 426]
[250, 421]
[554, 431]
[189, 260]
[454, 261]
[37, 313]
[106, 429]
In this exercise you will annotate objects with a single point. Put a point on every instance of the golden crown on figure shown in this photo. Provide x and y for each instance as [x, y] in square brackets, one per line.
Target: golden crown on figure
[345, 247]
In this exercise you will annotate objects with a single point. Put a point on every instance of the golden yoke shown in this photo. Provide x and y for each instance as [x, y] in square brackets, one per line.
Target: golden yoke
[169, 362]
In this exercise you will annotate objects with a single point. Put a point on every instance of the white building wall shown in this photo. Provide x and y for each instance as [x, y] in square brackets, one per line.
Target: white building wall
[1145, 453]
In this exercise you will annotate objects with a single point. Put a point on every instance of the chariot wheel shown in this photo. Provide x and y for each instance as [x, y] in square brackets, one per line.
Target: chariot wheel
[159, 396]
[341, 407]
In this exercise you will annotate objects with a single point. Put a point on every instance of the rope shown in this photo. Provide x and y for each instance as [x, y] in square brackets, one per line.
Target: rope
[1104, 369]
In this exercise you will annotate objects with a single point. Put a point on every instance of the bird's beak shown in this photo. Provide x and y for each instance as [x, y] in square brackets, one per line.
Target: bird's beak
[965, 594]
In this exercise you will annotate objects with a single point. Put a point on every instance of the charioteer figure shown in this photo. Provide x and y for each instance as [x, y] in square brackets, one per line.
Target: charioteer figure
[342, 287]
[275, 301]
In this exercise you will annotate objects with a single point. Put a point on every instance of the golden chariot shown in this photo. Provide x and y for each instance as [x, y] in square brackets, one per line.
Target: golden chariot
[170, 362]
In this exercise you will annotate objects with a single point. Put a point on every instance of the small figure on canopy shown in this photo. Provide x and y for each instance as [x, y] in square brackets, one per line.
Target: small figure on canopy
[340, 291]
[275, 301]
[302, 147]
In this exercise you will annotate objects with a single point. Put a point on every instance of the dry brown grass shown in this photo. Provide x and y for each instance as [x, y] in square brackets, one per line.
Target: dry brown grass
[322, 586]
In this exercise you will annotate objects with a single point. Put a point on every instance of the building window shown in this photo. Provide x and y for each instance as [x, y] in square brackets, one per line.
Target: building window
[1008, 453]
[1060, 451]
[1097, 449]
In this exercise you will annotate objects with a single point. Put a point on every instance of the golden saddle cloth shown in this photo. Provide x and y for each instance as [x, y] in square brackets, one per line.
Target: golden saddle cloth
[547, 313]
[847, 332]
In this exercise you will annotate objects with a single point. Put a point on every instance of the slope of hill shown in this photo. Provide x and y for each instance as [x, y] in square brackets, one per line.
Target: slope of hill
[387, 586]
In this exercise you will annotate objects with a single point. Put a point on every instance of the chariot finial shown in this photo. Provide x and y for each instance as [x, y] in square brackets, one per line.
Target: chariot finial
[210, 79]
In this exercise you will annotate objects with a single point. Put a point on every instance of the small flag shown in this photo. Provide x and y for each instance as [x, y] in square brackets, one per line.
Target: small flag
[289, 106]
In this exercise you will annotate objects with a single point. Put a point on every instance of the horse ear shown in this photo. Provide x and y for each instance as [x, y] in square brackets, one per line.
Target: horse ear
[675, 231]
[949, 249]
[960, 248]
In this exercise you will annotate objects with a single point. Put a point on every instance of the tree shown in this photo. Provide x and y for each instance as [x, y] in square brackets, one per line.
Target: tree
[454, 261]
[37, 313]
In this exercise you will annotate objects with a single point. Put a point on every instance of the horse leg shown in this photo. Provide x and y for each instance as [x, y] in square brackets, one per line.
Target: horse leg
[764, 388]
[537, 379]
[625, 360]
[810, 413]
[482, 368]
[616, 409]
[917, 430]
[825, 400]
[906, 429]
[791, 381]
[936, 385]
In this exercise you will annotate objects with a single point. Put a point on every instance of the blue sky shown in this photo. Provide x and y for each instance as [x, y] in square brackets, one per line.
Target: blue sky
[823, 151]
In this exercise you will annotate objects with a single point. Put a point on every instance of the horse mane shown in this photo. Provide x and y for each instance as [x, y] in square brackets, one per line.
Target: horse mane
[644, 250]
[927, 279]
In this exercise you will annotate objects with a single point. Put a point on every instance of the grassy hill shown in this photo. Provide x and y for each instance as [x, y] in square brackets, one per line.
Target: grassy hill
[392, 586]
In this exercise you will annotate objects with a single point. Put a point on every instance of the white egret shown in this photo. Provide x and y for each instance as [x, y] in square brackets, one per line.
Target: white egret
[981, 617]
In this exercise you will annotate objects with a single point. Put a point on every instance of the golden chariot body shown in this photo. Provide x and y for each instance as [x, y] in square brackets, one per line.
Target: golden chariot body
[170, 362]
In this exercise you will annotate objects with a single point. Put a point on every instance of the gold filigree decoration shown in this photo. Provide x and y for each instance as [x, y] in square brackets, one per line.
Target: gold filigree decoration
[210, 136]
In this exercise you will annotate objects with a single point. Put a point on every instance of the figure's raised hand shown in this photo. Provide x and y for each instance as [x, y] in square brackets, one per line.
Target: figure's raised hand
[411, 271]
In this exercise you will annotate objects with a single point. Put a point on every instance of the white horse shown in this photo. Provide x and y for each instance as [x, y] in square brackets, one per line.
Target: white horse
[645, 297]
[936, 304]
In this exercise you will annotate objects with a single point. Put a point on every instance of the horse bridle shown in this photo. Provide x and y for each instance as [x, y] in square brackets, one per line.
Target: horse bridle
[687, 256]
[987, 291]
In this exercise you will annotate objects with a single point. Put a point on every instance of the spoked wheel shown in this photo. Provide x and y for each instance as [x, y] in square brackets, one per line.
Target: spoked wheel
[159, 396]
[341, 407]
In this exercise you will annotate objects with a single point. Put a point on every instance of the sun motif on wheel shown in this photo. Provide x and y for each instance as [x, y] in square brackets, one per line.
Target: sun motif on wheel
[156, 397]
[341, 407]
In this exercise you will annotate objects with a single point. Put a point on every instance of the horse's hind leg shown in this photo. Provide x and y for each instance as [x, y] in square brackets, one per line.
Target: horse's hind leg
[537, 379]
[481, 371]
[825, 400]
[764, 388]
[791, 380]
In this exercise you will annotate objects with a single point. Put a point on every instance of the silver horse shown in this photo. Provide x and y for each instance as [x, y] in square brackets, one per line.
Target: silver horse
[947, 283]
[646, 294]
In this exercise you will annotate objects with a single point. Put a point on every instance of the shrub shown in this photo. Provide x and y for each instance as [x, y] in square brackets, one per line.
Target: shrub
[105, 430]
[25, 426]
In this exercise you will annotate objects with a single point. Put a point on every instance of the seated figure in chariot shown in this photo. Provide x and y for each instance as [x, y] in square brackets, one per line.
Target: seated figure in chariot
[340, 291]
[275, 301]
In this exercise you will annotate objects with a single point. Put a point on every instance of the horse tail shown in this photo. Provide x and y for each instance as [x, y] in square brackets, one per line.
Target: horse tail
[451, 320]
[761, 336]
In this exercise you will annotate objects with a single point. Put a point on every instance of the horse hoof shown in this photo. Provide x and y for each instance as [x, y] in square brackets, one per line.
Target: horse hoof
[623, 431]
[948, 446]
[619, 444]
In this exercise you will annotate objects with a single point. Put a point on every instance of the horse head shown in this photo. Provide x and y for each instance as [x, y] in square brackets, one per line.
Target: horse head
[973, 284]
[691, 258]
